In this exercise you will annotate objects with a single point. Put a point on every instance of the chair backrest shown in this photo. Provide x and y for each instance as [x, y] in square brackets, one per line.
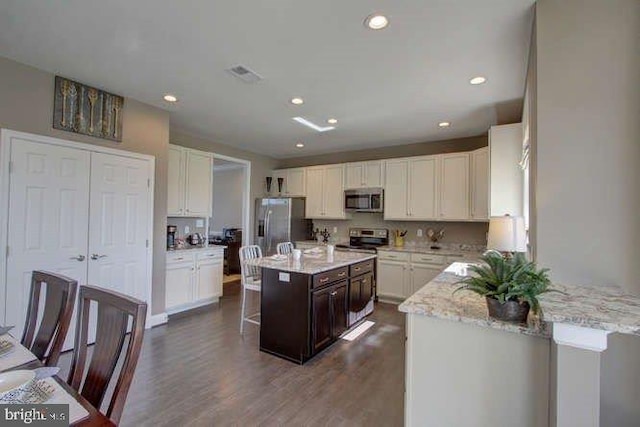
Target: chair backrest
[249, 271]
[284, 248]
[60, 296]
[114, 312]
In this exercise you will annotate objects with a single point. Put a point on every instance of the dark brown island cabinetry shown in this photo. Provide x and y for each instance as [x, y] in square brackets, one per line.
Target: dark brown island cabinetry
[302, 314]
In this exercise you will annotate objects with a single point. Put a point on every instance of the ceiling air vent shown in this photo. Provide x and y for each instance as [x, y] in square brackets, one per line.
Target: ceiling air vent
[244, 74]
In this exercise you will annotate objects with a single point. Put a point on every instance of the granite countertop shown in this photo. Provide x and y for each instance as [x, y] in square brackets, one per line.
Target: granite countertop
[436, 299]
[466, 251]
[606, 308]
[195, 248]
[311, 264]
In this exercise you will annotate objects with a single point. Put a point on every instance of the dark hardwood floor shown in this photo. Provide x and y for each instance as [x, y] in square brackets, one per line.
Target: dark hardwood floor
[198, 371]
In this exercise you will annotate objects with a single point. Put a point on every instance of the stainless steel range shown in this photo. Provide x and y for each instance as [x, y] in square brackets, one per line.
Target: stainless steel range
[365, 240]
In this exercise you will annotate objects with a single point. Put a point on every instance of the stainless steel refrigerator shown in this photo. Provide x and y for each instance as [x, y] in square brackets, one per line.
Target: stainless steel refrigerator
[280, 219]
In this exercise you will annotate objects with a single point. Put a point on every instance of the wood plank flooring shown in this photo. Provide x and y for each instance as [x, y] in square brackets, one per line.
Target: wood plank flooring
[198, 371]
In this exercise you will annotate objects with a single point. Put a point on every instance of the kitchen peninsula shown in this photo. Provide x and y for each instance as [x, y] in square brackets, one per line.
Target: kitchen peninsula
[307, 304]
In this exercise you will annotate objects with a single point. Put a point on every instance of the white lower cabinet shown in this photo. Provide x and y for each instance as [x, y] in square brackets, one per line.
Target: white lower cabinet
[193, 279]
[392, 278]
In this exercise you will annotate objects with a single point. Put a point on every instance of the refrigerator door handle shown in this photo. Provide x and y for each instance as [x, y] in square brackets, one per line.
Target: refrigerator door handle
[267, 231]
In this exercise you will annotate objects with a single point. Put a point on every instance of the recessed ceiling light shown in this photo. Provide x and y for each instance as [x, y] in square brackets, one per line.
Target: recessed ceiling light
[478, 80]
[332, 121]
[170, 98]
[376, 21]
[444, 124]
[297, 101]
[299, 145]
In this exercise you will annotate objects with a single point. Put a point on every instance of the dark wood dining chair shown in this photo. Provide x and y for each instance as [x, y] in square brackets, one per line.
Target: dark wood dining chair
[114, 312]
[60, 295]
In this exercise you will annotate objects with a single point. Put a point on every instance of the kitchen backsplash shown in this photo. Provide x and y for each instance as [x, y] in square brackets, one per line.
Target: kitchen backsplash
[472, 233]
[192, 223]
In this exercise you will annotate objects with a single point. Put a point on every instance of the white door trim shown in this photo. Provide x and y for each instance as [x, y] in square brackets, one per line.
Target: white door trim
[5, 138]
[247, 230]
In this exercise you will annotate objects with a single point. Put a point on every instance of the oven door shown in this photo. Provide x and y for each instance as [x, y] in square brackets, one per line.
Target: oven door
[357, 201]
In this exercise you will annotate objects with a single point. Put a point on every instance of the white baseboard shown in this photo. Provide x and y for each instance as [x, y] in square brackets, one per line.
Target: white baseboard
[157, 319]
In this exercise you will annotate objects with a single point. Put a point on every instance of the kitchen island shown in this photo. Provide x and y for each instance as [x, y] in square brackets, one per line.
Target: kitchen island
[307, 304]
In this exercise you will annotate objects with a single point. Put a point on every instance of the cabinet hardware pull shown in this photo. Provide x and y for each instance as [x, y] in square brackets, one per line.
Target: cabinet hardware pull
[344, 273]
[179, 259]
[334, 293]
[324, 280]
[357, 269]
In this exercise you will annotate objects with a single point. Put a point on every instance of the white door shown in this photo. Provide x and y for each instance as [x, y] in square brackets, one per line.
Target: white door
[480, 184]
[374, 176]
[421, 274]
[391, 278]
[48, 216]
[315, 193]
[334, 192]
[454, 186]
[295, 182]
[175, 188]
[119, 224]
[354, 176]
[199, 187]
[395, 194]
[423, 188]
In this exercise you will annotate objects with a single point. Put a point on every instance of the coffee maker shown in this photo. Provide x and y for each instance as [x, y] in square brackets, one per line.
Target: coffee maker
[171, 236]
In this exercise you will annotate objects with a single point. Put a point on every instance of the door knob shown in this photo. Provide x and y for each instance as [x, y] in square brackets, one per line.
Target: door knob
[96, 256]
[79, 258]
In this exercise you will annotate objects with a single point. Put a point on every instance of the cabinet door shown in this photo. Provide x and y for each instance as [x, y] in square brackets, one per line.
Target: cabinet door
[315, 192]
[374, 174]
[175, 174]
[339, 298]
[421, 274]
[391, 278]
[361, 292]
[480, 184]
[199, 184]
[423, 188]
[355, 175]
[295, 182]
[395, 195]
[179, 285]
[321, 318]
[334, 192]
[209, 279]
[454, 186]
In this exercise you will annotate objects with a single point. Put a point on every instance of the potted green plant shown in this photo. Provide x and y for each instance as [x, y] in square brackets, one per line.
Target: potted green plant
[510, 283]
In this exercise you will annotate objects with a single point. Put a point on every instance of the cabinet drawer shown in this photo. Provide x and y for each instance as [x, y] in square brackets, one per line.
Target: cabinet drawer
[361, 267]
[210, 255]
[393, 256]
[429, 259]
[175, 257]
[322, 279]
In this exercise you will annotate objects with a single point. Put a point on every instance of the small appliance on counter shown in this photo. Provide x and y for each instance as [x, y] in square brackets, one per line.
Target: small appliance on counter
[195, 239]
[171, 236]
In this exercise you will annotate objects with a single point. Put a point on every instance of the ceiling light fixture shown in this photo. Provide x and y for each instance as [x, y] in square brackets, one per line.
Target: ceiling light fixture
[444, 124]
[170, 98]
[297, 101]
[478, 80]
[376, 21]
[312, 125]
[332, 121]
[299, 145]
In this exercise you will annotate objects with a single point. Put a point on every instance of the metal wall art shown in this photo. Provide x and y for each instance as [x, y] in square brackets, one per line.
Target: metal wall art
[83, 109]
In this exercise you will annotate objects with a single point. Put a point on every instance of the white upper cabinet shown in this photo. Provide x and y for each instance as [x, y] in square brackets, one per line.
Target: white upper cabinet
[325, 192]
[175, 191]
[480, 184]
[190, 184]
[397, 190]
[293, 184]
[423, 187]
[506, 176]
[454, 186]
[364, 174]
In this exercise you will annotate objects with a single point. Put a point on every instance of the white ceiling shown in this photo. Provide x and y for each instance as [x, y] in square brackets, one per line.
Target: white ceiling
[385, 87]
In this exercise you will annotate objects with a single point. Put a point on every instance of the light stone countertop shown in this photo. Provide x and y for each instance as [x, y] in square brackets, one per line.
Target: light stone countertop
[436, 299]
[311, 264]
[196, 248]
[606, 308]
[466, 253]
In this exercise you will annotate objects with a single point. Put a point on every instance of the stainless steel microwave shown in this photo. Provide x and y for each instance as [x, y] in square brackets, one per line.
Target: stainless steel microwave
[364, 200]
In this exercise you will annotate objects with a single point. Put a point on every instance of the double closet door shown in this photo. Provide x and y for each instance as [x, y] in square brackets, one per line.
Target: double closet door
[79, 213]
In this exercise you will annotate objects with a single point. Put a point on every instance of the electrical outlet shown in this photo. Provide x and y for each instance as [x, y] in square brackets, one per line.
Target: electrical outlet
[186, 229]
[199, 223]
[335, 230]
[419, 232]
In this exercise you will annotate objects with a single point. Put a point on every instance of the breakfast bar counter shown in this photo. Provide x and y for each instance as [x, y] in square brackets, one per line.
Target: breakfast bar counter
[306, 304]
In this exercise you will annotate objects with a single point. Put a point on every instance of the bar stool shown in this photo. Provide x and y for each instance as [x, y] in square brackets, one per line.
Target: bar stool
[284, 248]
[250, 280]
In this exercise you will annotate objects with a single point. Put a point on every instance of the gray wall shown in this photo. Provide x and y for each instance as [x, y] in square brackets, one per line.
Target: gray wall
[228, 187]
[423, 148]
[588, 156]
[261, 166]
[26, 102]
